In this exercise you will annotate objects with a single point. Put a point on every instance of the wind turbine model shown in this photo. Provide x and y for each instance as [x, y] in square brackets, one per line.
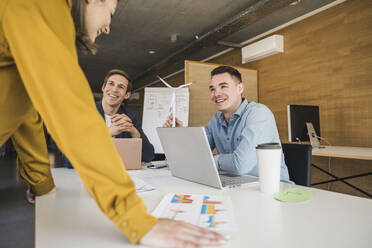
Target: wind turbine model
[173, 105]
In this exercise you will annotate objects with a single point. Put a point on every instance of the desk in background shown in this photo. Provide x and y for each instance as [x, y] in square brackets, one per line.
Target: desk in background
[349, 152]
[70, 217]
[344, 152]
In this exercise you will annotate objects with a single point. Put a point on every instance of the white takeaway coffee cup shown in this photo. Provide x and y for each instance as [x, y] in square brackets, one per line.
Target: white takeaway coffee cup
[269, 161]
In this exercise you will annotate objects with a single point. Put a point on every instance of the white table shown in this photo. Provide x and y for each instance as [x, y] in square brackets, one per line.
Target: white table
[363, 153]
[70, 217]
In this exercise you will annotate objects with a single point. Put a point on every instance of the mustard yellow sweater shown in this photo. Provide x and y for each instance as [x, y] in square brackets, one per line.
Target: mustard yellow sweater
[38, 58]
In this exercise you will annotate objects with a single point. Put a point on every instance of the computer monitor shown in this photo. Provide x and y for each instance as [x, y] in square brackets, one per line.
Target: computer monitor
[298, 116]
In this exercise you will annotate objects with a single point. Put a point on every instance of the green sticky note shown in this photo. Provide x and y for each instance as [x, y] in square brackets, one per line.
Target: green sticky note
[294, 195]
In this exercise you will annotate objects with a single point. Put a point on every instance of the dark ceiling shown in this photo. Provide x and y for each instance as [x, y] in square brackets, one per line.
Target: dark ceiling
[181, 29]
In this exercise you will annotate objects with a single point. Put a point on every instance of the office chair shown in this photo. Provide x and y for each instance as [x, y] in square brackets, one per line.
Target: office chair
[298, 160]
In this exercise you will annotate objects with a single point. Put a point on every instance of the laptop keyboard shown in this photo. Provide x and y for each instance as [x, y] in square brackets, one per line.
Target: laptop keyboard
[236, 180]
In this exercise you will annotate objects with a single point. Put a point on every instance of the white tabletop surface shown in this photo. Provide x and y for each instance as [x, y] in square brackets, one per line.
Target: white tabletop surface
[70, 217]
[344, 152]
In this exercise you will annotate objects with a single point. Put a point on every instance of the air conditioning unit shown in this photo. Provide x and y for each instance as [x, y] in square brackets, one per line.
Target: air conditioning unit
[263, 48]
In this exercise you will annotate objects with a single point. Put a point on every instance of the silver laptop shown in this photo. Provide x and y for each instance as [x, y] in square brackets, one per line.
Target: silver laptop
[189, 157]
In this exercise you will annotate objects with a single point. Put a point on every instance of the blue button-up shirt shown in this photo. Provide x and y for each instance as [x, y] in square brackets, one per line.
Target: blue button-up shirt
[252, 124]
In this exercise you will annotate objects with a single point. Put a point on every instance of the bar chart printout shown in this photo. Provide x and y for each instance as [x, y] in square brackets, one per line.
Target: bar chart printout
[212, 212]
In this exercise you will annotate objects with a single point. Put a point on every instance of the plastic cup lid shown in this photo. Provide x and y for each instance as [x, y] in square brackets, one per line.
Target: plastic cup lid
[269, 146]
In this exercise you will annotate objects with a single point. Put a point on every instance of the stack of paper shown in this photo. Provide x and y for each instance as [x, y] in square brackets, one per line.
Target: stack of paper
[141, 186]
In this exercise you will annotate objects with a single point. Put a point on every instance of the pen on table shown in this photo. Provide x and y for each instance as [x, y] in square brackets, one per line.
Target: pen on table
[156, 167]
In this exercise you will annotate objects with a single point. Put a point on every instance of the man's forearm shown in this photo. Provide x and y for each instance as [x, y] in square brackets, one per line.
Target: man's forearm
[134, 133]
[233, 163]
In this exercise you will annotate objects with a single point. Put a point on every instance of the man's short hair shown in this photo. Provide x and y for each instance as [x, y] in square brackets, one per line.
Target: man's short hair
[232, 71]
[122, 73]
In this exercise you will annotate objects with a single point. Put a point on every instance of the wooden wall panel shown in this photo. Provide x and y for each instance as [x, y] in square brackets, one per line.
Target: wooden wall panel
[326, 62]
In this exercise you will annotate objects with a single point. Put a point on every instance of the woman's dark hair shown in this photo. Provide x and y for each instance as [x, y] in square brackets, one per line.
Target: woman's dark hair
[232, 71]
[83, 42]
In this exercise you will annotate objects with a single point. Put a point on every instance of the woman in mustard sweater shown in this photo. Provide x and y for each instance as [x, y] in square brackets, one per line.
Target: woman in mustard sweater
[40, 80]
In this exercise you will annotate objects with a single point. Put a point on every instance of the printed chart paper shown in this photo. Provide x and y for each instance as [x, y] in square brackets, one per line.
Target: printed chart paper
[212, 212]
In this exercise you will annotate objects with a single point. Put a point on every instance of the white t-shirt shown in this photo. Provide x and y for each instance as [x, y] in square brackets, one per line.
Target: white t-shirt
[108, 120]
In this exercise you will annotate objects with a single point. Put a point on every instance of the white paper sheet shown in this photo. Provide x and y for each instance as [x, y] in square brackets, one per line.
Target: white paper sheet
[141, 186]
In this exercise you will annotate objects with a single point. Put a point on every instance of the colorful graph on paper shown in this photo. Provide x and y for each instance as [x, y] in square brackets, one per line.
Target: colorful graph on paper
[213, 212]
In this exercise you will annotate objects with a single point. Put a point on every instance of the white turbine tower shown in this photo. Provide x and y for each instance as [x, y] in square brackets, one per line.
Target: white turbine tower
[173, 105]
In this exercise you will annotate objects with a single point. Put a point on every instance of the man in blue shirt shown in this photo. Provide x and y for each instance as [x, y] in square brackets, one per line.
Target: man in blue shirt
[238, 126]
